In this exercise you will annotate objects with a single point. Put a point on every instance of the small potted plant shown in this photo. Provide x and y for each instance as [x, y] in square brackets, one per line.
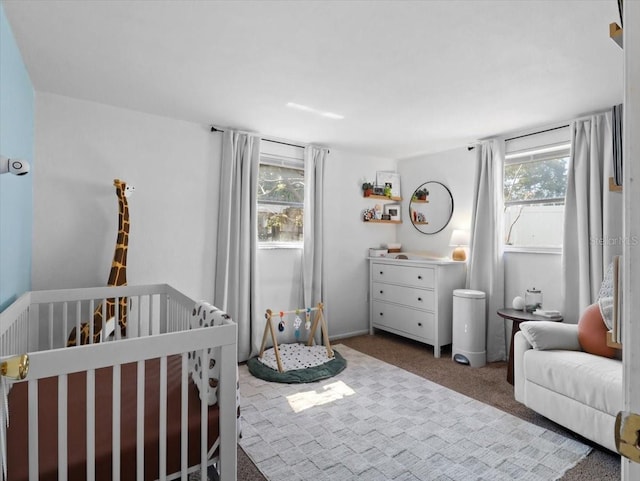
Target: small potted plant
[367, 189]
[421, 194]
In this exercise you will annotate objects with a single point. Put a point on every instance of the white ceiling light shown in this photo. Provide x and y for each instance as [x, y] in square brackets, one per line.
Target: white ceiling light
[305, 108]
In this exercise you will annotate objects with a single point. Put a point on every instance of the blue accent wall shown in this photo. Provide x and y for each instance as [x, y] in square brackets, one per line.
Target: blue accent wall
[16, 193]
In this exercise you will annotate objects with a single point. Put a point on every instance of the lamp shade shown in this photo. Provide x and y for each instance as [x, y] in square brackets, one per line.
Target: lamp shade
[459, 237]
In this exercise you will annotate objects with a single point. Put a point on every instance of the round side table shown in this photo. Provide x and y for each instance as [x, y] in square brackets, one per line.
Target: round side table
[516, 318]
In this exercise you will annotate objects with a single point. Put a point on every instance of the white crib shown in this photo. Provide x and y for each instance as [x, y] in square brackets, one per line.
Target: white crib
[135, 419]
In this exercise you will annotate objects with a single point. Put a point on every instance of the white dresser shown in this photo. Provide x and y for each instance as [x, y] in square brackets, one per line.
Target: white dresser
[414, 298]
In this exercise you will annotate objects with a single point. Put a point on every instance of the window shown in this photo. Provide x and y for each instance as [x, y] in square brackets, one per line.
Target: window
[280, 201]
[535, 182]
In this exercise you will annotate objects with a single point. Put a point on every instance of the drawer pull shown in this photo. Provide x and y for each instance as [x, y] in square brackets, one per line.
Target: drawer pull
[381, 292]
[382, 313]
[420, 324]
[381, 272]
[420, 277]
[420, 299]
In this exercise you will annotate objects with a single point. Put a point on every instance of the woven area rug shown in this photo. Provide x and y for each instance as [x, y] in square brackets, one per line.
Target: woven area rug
[375, 421]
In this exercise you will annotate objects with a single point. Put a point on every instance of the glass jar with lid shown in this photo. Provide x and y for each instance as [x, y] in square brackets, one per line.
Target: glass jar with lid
[533, 299]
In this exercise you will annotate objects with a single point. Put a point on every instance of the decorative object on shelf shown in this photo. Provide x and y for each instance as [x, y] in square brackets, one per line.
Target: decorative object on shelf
[420, 194]
[518, 303]
[533, 299]
[394, 247]
[393, 211]
[368, 214]
[418, 217]
[367, 189]
[433, 213]
[13, 166]
[459, 240]
[389, 182]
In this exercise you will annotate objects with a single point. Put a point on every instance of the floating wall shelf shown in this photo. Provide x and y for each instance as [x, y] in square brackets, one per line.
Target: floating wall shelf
[615, 32]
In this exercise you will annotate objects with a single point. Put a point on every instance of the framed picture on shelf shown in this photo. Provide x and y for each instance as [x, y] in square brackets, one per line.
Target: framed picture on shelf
[392, 179]
[393, 211]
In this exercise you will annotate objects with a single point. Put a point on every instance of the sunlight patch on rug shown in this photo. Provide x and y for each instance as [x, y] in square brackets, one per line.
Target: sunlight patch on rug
[317, 397]
[382, 422]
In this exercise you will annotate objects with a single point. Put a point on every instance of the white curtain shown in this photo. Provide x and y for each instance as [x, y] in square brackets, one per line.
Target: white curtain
[313, 288]
[592, 214]
[237, 236]
[485, 270]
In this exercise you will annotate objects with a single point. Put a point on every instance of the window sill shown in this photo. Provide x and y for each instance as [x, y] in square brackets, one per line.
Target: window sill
[279, 245]
[533, 250]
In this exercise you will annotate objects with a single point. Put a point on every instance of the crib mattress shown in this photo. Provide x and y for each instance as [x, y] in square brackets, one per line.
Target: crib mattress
[17, 436]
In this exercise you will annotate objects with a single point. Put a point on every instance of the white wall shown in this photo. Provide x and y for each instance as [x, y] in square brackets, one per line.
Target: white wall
[81, 147]
[455, 169]
[348, 238]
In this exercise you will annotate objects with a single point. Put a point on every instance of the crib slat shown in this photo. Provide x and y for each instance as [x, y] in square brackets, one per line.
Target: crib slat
[65, 321]
[163, 419]
[91, 426]
[115, 427]
[62, 427]
[33, 430]
[50, 323]
[140, 425]
[116, 318]
[78, 318]
[184, 410]
[203, 413]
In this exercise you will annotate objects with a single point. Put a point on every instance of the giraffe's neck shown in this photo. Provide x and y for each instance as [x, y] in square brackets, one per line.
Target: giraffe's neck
[118, 274]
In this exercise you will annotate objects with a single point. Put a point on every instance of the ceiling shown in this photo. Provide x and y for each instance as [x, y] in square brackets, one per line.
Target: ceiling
[409, 77]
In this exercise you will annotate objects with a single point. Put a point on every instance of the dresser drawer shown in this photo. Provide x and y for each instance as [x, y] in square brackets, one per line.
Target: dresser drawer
[417, 323]
[407, 275]
[408, 296]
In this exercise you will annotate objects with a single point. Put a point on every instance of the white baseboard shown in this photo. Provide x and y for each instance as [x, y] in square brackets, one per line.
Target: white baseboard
[348, 334]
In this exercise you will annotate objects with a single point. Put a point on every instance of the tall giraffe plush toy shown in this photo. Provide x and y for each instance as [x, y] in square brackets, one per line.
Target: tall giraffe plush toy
[117, 276]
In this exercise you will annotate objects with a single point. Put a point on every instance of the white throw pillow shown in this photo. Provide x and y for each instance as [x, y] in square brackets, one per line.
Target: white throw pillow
[547, 335]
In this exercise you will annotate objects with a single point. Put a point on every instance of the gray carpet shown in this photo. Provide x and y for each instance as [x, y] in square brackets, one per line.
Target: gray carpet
[487, 384]
[376, 421]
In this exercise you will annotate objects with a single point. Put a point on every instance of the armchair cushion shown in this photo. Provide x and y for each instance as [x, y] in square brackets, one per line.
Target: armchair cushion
[547, 335]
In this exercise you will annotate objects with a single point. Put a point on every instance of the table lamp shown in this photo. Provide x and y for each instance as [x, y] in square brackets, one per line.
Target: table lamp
[459, 240]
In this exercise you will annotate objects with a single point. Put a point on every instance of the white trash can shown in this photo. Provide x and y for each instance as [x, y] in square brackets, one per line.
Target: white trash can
[469, 328]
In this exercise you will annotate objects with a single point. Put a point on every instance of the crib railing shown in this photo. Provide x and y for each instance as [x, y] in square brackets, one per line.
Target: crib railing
[43, 320]
[158, 320]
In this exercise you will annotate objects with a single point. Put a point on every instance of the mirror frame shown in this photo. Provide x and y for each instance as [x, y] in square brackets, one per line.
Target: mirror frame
[450, 214]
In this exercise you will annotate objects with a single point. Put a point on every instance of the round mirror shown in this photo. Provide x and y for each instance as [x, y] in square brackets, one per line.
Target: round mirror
[431, 207]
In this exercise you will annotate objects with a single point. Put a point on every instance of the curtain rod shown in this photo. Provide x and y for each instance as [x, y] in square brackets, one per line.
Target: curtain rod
[215, 129]
[471, 147]
[536, 133]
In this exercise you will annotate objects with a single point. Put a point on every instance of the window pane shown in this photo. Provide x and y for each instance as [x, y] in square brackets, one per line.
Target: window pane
[535, 185]
[536, 225]
[535, 179]
[280, 184]
[280, 203]
[279, 223]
